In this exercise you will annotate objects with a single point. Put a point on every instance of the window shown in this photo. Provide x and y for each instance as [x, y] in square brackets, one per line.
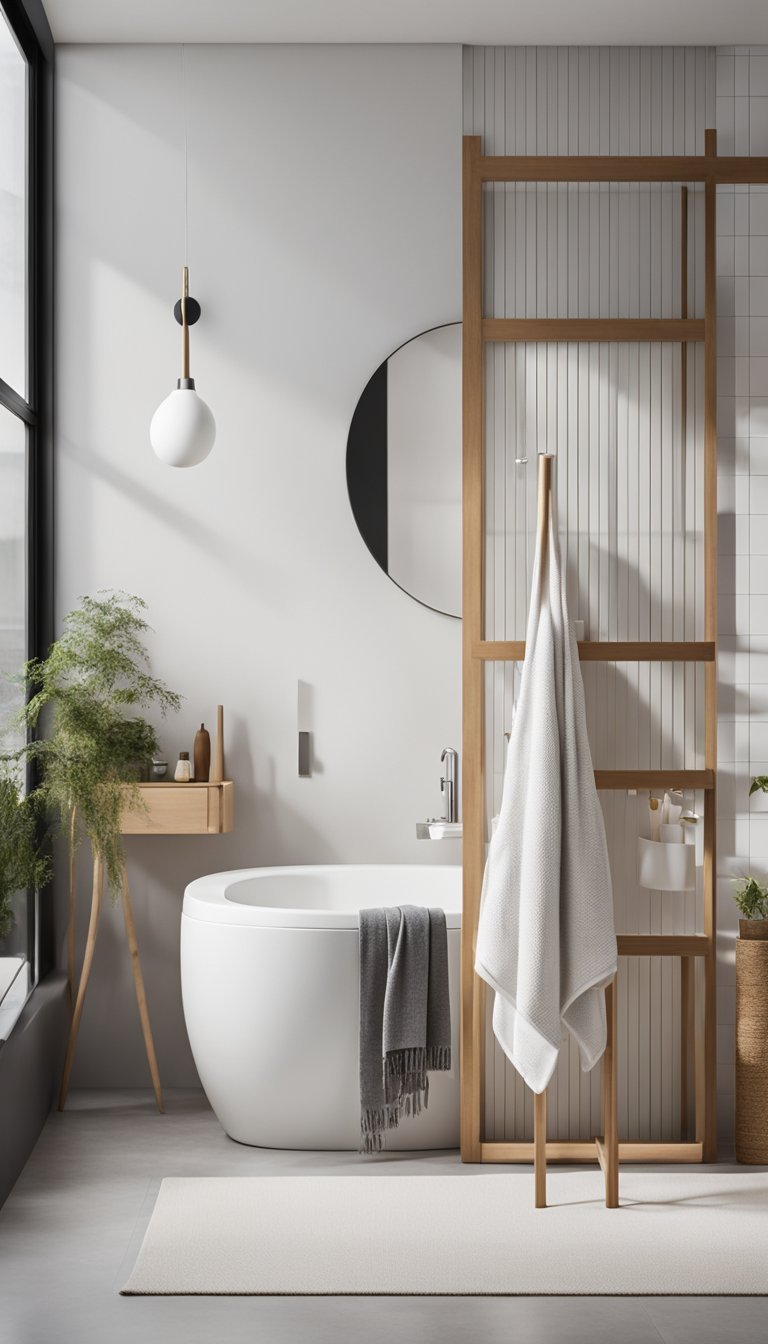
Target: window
[14, 116]
[26, 55]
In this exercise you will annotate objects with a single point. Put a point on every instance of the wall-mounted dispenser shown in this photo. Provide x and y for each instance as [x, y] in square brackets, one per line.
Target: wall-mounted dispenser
[304, 770]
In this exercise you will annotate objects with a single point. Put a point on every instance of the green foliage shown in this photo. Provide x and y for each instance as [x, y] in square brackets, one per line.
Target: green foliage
[752, 899]
[83, 702]
[22, 860]
[760, 782]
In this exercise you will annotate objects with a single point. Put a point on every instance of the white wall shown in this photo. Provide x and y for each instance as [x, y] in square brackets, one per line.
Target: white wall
[324, 231]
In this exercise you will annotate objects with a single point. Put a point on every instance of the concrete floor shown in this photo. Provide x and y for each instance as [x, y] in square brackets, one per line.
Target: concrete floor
[70, 1231]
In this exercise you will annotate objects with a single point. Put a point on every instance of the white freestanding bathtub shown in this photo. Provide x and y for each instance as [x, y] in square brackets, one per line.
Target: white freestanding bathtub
[269, 977]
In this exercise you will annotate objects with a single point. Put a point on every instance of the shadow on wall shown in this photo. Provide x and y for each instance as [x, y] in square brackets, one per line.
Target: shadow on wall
[261, 584]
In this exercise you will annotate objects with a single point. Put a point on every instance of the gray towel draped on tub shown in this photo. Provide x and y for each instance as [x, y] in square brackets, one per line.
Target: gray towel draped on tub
[405, 1014]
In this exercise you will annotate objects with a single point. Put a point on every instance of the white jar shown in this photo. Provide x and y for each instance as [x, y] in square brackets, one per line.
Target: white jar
[183, 772]
[666, 867]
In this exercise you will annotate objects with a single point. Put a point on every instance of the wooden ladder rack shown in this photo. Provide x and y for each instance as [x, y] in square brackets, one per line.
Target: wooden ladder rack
[478, 331]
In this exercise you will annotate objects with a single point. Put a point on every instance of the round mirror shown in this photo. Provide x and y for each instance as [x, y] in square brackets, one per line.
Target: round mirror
[404, 467]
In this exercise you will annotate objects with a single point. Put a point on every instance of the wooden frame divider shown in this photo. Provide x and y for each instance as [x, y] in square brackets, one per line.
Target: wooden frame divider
[694, 950]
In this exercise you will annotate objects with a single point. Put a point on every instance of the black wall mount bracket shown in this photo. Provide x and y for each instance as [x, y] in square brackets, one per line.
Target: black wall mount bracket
[193, 311]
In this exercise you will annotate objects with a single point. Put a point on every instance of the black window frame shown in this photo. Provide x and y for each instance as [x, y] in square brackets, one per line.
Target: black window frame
[29, 25]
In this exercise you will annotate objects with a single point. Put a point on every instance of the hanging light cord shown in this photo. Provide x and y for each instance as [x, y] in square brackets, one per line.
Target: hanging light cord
[186, 153]
[185, 269]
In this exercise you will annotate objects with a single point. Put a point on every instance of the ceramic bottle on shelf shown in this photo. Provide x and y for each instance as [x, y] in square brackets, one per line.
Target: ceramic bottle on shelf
[183, 772]
[201, 754]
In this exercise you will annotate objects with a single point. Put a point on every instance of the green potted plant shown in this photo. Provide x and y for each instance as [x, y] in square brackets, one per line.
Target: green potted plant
[752, 899]
[88, 739]
[23, 860]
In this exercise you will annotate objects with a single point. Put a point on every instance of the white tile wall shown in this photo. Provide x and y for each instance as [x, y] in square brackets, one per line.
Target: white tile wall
[528, 100]
[742, 124]
[629, 481]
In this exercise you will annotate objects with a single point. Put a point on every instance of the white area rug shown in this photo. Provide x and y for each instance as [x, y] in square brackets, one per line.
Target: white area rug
[690, 1232]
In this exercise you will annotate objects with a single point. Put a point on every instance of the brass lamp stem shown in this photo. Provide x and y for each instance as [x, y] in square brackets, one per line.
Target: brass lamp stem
[184, 327]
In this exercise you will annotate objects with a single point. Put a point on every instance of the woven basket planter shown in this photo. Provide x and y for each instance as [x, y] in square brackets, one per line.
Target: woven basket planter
[752, 1043]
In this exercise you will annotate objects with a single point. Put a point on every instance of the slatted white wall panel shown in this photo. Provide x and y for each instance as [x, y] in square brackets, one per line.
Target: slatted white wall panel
[628, 479]
[742, 407]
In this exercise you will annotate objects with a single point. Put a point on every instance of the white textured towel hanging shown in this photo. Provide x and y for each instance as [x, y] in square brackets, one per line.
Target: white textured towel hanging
[546, 940]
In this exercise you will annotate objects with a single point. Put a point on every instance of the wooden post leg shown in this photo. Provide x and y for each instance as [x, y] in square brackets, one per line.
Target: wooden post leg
[93, 928]
[141, 997]
[686, 1032]
[540, 1148]
[72, 895]
[699, 1057]
[610, 1118]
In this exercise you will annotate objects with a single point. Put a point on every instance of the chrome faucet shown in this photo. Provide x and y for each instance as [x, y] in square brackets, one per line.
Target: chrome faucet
[449, 784]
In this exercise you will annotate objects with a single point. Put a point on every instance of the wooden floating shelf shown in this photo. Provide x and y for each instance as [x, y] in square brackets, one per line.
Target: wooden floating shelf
[606, 651]
[560, 329]
[623, 168]
[654, 779]
[182, 809]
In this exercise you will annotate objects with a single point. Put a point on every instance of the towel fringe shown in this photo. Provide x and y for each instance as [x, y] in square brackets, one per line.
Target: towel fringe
[373, 1125]
[406, 1085]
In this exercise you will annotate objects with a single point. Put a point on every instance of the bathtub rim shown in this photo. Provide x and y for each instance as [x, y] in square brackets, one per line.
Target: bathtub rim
[206, 898]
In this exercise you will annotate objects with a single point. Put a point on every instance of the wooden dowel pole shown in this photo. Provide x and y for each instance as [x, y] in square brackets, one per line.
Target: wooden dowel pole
[184, 326]
[545, 488]
[540, 1098]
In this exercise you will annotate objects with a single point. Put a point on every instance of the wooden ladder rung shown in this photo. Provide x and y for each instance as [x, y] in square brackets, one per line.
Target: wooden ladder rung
[561, 329]
[654, 779]
[514, 1151]
[622, 168]
[663, 944]
[607, 651]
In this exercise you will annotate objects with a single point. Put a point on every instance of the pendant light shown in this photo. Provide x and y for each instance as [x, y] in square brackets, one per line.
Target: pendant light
[183, 429]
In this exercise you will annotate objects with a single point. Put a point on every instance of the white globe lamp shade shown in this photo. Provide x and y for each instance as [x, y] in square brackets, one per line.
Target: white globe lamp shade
[183, 430]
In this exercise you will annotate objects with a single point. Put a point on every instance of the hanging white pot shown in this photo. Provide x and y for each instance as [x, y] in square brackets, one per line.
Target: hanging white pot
[666, 867]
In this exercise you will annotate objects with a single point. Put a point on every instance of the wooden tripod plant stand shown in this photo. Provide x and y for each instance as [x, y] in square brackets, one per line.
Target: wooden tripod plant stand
[138, 982]
[169, 809]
